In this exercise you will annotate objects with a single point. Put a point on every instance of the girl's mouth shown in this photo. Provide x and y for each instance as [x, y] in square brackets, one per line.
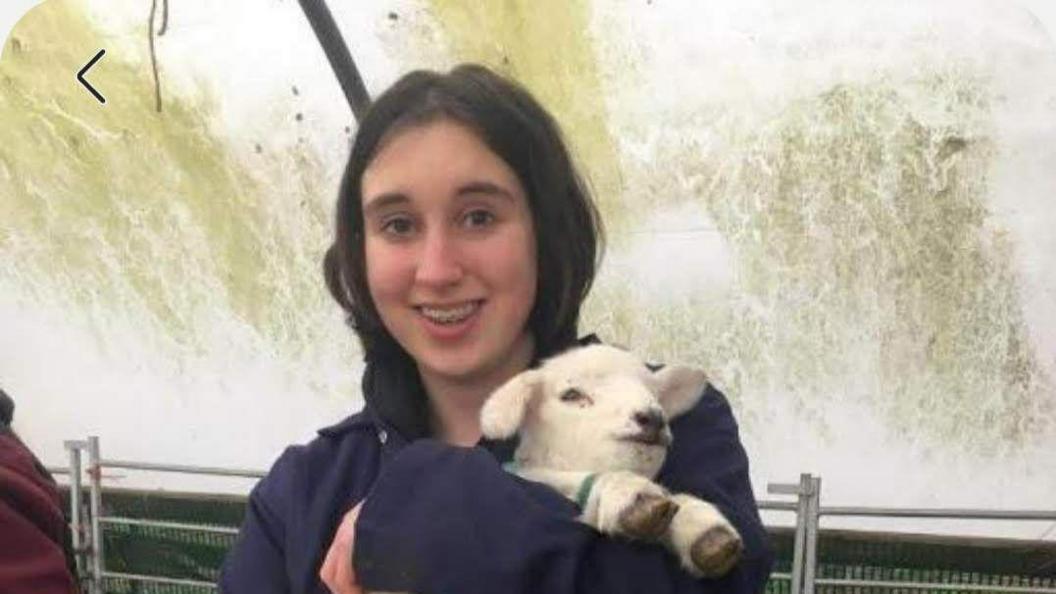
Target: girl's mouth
[449, 315]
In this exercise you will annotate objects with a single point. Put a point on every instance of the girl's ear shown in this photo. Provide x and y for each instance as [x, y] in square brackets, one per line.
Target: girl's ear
[679, 388]
[504, 411]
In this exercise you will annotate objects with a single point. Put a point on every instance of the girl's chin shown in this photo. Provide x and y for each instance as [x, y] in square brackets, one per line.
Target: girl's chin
[448, 367]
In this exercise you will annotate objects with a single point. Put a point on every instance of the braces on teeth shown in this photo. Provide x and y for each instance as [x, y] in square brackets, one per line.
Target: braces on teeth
[449, 316]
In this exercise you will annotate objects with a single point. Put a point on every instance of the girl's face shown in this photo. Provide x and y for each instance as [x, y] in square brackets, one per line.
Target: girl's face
[450, 252]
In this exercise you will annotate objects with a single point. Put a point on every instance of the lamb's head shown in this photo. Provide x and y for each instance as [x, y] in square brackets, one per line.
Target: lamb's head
[593, 408]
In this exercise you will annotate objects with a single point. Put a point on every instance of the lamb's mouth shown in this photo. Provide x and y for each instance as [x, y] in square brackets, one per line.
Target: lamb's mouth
[649, 439]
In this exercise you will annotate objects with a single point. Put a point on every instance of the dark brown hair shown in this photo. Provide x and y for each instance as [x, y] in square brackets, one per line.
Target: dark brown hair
[523, 134]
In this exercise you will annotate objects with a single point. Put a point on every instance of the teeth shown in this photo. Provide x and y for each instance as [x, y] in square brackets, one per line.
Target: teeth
[449, 316]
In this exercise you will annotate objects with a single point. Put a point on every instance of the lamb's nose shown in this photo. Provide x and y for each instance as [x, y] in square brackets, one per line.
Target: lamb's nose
[651, 420]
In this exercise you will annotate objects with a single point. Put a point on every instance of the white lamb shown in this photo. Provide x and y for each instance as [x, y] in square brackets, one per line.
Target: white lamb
[593, 424]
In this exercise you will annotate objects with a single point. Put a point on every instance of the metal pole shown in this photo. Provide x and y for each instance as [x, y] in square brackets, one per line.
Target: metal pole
[337, 53]
[165, 581]
[202, 528]
[801, 528]
[73, 448]
[95, 474]
[952, 513]
[871, 585]
[801, 490]
[813, 521]
[184, 468]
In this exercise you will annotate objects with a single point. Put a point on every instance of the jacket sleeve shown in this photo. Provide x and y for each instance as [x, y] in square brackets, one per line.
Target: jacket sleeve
[32, 560]
[256, 564]
[447, 519]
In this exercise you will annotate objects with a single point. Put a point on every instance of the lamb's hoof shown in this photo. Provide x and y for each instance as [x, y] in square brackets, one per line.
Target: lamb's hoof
[648, 518]
[716, 551]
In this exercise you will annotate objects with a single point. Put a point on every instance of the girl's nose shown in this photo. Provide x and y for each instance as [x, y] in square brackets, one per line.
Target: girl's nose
[438, 263]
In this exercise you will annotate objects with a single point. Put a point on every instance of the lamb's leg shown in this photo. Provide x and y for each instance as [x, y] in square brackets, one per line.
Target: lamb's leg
[618, 502]
[702, 538]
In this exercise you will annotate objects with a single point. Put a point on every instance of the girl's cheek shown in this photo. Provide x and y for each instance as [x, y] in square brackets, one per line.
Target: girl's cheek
[385, 270]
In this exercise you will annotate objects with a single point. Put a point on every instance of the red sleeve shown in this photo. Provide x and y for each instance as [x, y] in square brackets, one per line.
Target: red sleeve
[32, 559]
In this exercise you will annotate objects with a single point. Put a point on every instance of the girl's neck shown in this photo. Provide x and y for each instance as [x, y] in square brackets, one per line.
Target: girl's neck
[455, 402]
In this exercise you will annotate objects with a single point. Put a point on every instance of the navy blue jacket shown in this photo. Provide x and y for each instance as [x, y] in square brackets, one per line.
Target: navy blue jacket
[449, 520]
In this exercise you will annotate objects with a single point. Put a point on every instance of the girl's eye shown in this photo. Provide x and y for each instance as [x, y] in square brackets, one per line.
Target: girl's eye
[397, 226]
[479, 218]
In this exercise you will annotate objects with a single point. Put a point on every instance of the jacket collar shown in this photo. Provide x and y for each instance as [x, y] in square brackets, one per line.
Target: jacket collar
[359, 420]
[395, 402]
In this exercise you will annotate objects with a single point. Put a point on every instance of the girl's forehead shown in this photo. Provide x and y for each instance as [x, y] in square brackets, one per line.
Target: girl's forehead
[442, 155]
[451, 139]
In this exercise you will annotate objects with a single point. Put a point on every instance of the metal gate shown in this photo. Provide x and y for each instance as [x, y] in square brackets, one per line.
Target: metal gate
[90, 524]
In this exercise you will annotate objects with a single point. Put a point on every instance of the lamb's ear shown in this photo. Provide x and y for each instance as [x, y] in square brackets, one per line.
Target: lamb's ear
[679, 388]
[504, 410]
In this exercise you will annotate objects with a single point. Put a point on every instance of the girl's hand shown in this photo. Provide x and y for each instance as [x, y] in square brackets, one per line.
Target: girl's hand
[337, 572]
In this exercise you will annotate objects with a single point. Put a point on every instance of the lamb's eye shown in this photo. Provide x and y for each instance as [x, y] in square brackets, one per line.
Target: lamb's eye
[573, 395]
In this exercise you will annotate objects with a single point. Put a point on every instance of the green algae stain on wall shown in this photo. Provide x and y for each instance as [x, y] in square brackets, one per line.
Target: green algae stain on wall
[875, 234]
[116, 207]
[546, 45]
[868, 267]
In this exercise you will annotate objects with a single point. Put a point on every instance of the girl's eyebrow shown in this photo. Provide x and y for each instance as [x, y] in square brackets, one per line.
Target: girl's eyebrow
[483, 187]
[382, 201]
[387, 199]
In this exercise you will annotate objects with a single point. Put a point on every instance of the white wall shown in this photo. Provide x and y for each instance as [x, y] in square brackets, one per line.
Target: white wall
[180, 315]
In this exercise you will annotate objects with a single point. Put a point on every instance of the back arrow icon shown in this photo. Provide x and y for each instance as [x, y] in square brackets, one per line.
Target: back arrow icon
[80, 76]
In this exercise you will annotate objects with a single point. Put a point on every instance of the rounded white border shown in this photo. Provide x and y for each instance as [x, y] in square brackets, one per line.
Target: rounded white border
[10, 12]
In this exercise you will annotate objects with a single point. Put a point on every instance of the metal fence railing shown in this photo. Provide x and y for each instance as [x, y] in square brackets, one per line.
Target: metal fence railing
[92, 526]
[809, 511]
[88, 532]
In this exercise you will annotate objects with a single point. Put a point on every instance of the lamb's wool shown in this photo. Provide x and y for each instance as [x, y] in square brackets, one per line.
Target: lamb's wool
[594, 424]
